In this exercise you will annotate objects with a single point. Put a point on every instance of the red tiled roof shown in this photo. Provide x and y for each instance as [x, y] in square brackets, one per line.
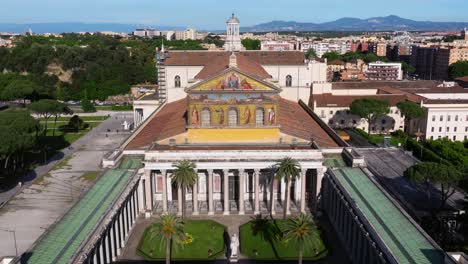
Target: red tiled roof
[219, 64]
[463, 79]
[295, 121]
[446, 101]
[202, 58]
[327, 100]
[169, 121]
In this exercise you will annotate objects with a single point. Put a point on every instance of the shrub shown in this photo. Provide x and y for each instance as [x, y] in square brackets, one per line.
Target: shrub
[399, 133]
[423, 153]
[122, 108]
[87, 106]
[76, 123]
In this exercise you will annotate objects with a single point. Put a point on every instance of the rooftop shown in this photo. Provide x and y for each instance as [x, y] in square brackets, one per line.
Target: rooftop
[202, 58]
[327, 100]
[405, 241]
[64, 238]
[170, 121]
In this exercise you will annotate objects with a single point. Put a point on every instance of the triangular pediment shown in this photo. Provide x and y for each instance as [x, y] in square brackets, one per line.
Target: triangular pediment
[233, 79]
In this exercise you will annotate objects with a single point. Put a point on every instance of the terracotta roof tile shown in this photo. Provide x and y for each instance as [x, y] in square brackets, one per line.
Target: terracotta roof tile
[295, 121]
[202, 58]
[245, 64]
[168, 122]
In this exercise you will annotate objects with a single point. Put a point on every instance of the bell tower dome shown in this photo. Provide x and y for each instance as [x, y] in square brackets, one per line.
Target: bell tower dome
[233, 41]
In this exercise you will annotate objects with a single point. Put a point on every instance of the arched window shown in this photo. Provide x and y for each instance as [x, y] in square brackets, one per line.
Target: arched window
[288, 80]
[206, 117]
[259, 117]
[232, 117]
[177, 81]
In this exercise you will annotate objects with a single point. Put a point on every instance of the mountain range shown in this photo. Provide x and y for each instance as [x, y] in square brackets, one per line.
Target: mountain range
[387, 23]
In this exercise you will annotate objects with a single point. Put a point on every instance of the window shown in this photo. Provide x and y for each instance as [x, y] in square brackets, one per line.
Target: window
[384, 121]
[433, 118]
[288, 80]
[456, 118]
[232, 117]
[432, 137]
[342, 121]
[391, 111]
[455, 129]
[466, 129]
[438, 137]
[465, 137]
[448, 118]
[206, 117]
[354, 121]
[432, 129]
[448, 129]
[440, 129]
[330, 122]
[177, 81]
[454, 138]
[259, 117]
[441, 118]
[331, 112]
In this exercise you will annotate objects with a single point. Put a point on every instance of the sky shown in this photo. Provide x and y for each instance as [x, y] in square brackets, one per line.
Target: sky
[211, 14]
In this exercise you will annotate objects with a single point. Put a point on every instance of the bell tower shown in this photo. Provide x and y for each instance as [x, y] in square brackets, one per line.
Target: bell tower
[233, 41]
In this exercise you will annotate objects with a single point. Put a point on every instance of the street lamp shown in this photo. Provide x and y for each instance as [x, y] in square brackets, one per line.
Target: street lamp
[14, 238]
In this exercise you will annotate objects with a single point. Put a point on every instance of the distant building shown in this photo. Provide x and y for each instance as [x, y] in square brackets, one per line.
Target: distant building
[145, 32]
[379, 48]
[381, 71]
[190, 34]
[276, 45]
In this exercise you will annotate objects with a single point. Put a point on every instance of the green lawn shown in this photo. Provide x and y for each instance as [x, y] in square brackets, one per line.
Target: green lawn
[207, 235]
[261, 241]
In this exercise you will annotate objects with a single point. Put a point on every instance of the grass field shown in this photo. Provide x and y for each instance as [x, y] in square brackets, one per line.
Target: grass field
[262, 241]
[207, 235]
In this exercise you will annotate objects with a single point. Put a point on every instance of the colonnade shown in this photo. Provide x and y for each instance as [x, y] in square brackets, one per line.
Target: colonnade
[115, 233]
[158, 188]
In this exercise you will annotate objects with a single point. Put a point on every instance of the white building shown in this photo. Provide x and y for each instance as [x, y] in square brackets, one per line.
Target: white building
[384, 71]
[145, 32]
[190, 34]
[276, 45]
[233, 41]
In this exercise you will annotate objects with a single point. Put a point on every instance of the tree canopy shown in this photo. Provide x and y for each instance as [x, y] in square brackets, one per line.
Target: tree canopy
[447, 177]
[411, 109]
[458, 69]
[369, 109]
[311, 54]
[251, 44]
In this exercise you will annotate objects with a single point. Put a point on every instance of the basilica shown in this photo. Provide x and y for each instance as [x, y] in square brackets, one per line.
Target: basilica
[233, 113]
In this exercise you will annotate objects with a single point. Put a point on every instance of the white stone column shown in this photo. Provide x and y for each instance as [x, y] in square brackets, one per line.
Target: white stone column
[148, 194]
[164, 194]
[241, 191]
[122, 231]
[257, 191]
[226, 191]
[179, 200]
[95, 256]
[319, 182]
[112, 243]
[303, 189]
[210, 192]
[141, 196]
[283, 191]
[118, 240]
[288, 199]
[101, 251]
[195, 197]
[272, 195]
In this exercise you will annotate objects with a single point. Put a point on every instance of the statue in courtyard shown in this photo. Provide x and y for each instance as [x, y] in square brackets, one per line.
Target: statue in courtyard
[234, 245]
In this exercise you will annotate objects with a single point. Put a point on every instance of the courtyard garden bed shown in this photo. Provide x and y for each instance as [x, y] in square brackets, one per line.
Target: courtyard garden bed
[207, 242]
[262, 241]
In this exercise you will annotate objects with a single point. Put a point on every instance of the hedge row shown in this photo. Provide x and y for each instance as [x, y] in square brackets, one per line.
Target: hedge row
[423, 153]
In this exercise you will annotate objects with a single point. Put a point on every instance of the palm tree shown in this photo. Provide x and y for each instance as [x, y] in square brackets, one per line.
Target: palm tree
[184, 177]
[301, 229]
[287, 169]
[171, 228]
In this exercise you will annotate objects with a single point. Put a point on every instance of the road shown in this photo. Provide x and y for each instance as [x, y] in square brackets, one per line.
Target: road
[46, 195]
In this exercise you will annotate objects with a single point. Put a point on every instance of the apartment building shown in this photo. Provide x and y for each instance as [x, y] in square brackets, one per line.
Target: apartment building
[381, 71]
[379, 48]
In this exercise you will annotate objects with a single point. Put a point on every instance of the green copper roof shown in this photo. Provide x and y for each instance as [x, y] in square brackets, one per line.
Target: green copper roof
[403, 239]
[334, 160]
[61, 242]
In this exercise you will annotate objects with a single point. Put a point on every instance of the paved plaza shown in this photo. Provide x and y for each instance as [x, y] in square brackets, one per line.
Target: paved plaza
[47, 195]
